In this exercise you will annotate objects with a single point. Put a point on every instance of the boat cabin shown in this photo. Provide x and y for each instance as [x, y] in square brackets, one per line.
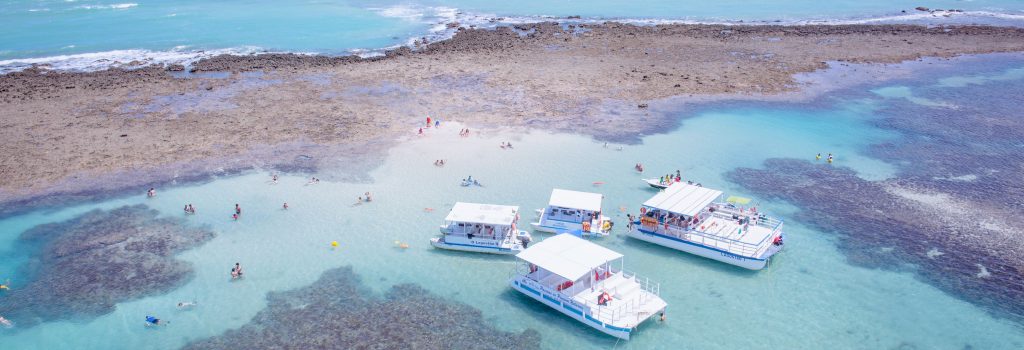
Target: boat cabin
[570, 211]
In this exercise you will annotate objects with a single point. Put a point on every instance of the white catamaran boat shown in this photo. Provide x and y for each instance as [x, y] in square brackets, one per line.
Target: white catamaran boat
[586, 281]
[693, 219]
[482, 228]
[570, 211]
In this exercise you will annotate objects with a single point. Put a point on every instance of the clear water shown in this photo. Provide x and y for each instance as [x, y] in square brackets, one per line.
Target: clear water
[809, 298]
[92, 34]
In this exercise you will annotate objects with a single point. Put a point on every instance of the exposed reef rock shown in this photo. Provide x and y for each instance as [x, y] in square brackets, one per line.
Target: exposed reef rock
[337, 312]
[86, 265]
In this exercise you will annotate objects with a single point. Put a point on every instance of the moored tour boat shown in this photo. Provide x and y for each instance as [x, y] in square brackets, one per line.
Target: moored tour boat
[586, 281]
[482, 228]
[695, 220]
[572, 211]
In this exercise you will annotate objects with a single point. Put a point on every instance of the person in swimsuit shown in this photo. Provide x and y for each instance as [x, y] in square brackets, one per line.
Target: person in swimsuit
[153, 321]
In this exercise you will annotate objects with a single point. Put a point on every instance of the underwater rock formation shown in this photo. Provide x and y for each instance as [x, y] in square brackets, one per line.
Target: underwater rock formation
[337, 312]
[86, 265]
[882, 228]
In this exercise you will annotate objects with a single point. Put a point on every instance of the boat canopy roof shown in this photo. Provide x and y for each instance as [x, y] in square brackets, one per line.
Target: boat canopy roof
[575, 200]
[683, 199]
[489, 214]
[568, 256]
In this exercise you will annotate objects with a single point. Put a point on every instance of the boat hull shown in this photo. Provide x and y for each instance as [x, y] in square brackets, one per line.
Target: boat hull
[567, 309]
[474, 247]
[654, 183]
[700, 250]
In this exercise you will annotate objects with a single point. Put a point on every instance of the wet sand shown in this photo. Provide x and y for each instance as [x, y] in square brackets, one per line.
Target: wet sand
[72, 135]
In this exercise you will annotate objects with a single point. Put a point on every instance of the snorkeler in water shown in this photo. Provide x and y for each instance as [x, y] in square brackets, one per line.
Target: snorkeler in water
[153, 321]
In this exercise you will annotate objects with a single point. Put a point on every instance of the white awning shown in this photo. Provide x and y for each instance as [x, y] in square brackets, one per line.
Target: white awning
[575, 200]
[684, 199]
[489, 214]
[568, 256]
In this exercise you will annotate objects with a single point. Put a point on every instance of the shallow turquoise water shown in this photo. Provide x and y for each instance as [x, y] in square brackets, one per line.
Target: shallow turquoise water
[91, 34]
[809, 298]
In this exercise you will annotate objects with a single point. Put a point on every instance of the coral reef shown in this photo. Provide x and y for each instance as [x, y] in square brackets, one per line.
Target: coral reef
[86, 265]
[336, 312]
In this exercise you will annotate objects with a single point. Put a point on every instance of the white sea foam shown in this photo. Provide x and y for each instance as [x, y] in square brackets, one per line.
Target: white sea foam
[119, 58]
[111, 6]
[440, 26]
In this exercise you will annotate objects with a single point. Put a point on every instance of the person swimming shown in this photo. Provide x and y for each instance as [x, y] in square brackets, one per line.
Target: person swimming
[153, 321]
[236, 272]
[368, 198]
[285, 206]
[238, 209]
[151, 192]
[186, 304]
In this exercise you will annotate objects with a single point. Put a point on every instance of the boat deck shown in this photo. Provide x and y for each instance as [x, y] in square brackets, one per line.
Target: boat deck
[729, 229]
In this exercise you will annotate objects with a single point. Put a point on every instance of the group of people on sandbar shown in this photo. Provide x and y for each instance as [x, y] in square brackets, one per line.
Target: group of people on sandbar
[440, 162]
[506, 145]
[464, 132]
[189, 209]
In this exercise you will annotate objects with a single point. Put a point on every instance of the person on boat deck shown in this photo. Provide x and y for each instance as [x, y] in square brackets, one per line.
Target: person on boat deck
[603, 299]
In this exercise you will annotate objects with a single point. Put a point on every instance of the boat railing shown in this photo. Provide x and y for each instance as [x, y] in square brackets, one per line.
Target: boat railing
[751, 250]
[605, 313]
[631, 306]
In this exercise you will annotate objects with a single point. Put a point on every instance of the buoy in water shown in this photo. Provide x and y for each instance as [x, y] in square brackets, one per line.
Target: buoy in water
[334, 243]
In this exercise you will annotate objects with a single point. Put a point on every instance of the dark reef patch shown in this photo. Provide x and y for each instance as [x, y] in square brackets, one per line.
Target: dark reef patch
[952, 213]
[337, 312]
[883, 230]
[86, 265]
